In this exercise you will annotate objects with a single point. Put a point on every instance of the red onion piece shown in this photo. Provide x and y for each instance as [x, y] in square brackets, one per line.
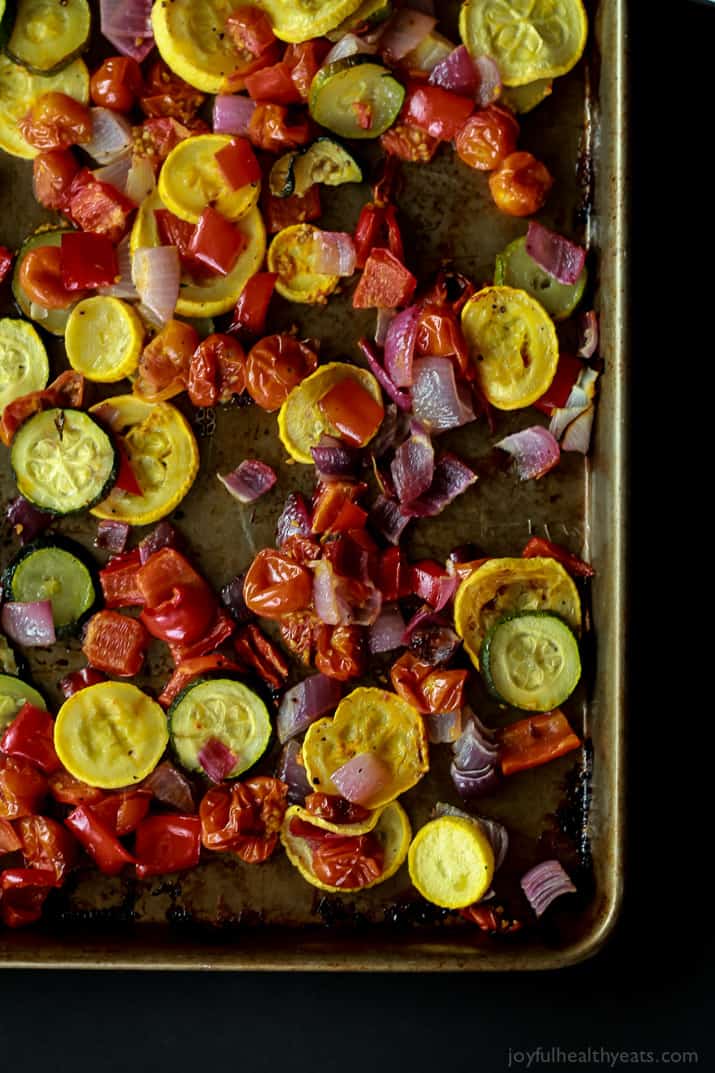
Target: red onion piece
[475, 783]
[387, 518]
[136, 48]
[140, 180]
[112, 535]
[496, 832]
[563, 260]
[577, 436]
[385, 635]
[488, 81]
[232, 114]
[127, 25]
[382, 323]
[400, 344]
[333, 253]
[330, 607]
[473, 769]
[404, 32]
[111, 136]
[156, 271]
[26, 521]
[544, 883]
[456, 73]
[29, 624]
[432, 640]
[588, 334]
[249, 481]
[534, 449]
[233, 600]
[162, 536]
[412, 467]
[291, 770]
[170, 787]
[124, 285]
[394, 429]
[437, 401]
[452, 477]
[362, 778]
[335, 459]
[444, 727]
[217, 760]
[348, 45]
[401, 399]
[301, 705]
[294, 519]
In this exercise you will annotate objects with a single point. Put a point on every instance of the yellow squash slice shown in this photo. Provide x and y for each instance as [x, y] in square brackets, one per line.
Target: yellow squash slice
[374, 721]
[529, 39]
[103, 339]
[392, 830]
[292, 255]
[347, 829]
[191, 39]
[18, 91]
[163, 455]
[502, 586]
[110, 735]
[451, 862]
[513, 341]
[190, 180]
[23, 360]
[301, 422]
[299, 20]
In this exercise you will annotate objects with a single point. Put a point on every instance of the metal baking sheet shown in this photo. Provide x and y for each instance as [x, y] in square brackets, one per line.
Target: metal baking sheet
[227, 915]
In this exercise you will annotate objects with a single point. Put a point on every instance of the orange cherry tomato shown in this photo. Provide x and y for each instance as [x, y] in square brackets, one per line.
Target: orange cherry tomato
[244, 818]
[276, 365]
[276, 585]
[41, 279]
[335, 809]
[52, 175]
[116, 84]
[429, 689]
[341, 652]
[56, 121]
[520, 185]
[487, 138]
[165, 362]
[348, 862]
[217, 371]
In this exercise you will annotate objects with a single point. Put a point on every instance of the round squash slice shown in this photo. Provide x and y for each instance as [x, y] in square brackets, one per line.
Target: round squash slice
[292, 255]
[103, 339]
[23, 360]
[19, 89]
[451, 862]
[190, 180]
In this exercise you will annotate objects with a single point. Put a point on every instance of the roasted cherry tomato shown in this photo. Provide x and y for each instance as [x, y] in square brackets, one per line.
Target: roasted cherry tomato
[335, 809]
[271, 128]
[250, 29]
[156, 137]
[305, 60]
[276, 585]
[439, 335]
[487, 138]
[274, 366]
[52, 175]
[68, 790]
[22, 788]
[408, 142]
[280, 212]
[341, 652]
[179, 605]
[520, 185]
[23, 892]
[217, 370]
[99, 207]
[116, 84]
[168, 96]
[163, 369]
[41, 278]
[167, 843]
[9, 842]
[436, 111]
[66, 391]
[244, 818]
[429, 689]
[47, 844]
[56, 121]
[347, 862]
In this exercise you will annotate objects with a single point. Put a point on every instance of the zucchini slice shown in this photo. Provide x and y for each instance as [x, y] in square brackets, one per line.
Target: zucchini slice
[515, 268]
[370, 13]
[23, 361]
[356, 97]
[222, 709]
[48, 34]
[13, 694]
[54, 571]
[63, 461]
[281, 181]
[8, 659]
[325, 161]
[531, 661]
[52, 320]
[19, 88]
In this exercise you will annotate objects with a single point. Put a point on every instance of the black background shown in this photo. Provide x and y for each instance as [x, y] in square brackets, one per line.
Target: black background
[650, 989]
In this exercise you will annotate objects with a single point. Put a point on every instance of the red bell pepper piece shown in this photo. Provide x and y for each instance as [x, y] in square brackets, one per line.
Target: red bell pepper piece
[68, 790]
[556, 396]
[88, 260]
[98, 840]
[179, 605]
[384, 284]
[173, 231]
[250, 29]
[270, 128]
[6, 259]
[216, 242]
[251, 310]
[329, 501]
[23, 788]
[436, 111]
[427, 580]
[189, 669]
[238, 164]
[353, 411]
[390, 581]
[221, 629]
[280, 212]
[119, 580]
[273, 84]
[349, 518]
[534, 741]
[124, 811]
[256, 653]
[376, 225]
[22, 894]
[9, 842]
[30, 736]
[115, 643]
[167, 843]
[538, 546]
[47, 844]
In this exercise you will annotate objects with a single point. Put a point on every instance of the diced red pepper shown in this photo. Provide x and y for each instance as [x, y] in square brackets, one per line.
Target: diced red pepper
[251, 310]
[190, 669]
[270, 129]
[250, 29]
[126, 478]
[98, 840]
[220, 631]
[349, 518]
[556, 396]
[392, 569]
[6, 260]
[436, 111]
[119, 580]
[273, 84]
[256, 653]
[88, 261]
[173, 231]
[46, 844]
[376, 225]
[329, 501]
[167, 843]
[68, 790]
[538, 546]
[30, 736]
[351, 409]
[22, 894]
[123, 812]
[216, 242]
[534, 741]
[280, 212]
[115, 643]
[385, 283]
[238, 164]
[427, 580]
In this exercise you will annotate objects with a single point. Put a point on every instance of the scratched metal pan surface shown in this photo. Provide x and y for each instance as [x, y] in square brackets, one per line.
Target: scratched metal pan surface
[227, 915]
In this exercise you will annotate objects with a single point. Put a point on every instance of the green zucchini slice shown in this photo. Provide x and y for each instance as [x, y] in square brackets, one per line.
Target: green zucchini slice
[370, 13]
[63, 461]
[23, 360]
[223, 709]
[516, 268]
[13, 694]
[356, 97]
[531, 661]
[326, 162]
[48, 34]
[52, 320]
[54, 571]
[8, 659]
[281, 180]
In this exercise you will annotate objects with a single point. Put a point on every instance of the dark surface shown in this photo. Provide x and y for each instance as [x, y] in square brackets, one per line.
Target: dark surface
[650, 989]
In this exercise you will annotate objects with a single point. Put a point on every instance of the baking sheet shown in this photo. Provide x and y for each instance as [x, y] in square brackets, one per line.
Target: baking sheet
[229, 915]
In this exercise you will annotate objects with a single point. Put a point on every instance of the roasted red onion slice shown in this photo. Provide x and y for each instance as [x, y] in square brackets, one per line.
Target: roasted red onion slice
[111, 136]
[437, 400]
[140, 181]
[170, 787]
[233, 600]
[115, 174]
[488, 81]
[304, 703]
[456, 73]
[291, 770]
[349, 45]
[404, 32]
[217, 760]
[544, 883]
[331, 607]
[496, 832]
[127, 25]
[535, 451]
[432, 640]
[112, 535]
[335, 459]
[382, 323]
[473, 769]
[334, 253]
[249, 481]
[588, 334]
[400, 341]
[385, 634]
[29, 624]
[387, 518]
[162, 535]
[401, 398]
[562, 259]
[444, 727]
[156, 271]
[26, 521]
[232, 114]
[412, 467]
[452, 477]
[361, 778]
[577, 436]
[294, 519]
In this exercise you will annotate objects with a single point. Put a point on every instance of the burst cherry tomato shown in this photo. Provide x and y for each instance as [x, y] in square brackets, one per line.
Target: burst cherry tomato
[335, 809]
[167, 95]
[520, 184]
[270, 128]
[408, 142]
[341, 652]
[276, 585]
[41, 279]
[52, 175]
[164, 365]
[250, 30]
[22, 788]
[47, 844]
[244, 818]
[348, 863]
[179, 605]
[487, 138]
[217, 370]
[275, 366]
[116, 83]
[56, 121]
